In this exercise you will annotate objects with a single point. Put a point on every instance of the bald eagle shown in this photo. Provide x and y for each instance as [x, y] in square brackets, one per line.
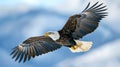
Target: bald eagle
[76, 27]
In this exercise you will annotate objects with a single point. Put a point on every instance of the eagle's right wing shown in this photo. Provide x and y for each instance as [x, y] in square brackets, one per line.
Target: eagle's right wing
[32, 47]
[84, 23]
[89, 20]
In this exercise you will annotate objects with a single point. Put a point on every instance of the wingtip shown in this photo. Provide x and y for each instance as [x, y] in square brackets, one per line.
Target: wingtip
[91, 6]
[88, 2]
[86, 6]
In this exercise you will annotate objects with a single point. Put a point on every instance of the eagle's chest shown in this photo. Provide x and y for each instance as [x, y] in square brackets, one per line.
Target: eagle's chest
[66, 41]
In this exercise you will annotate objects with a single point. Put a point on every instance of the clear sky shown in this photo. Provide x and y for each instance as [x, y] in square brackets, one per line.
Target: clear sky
[21, 19]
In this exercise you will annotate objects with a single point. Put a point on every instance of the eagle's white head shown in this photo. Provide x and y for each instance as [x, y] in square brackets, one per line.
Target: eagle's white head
[53, 34]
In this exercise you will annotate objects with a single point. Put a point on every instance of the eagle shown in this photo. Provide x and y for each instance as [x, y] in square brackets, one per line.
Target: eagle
[76, 27]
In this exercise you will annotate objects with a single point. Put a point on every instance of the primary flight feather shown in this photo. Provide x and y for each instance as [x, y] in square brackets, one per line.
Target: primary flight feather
[76, 27]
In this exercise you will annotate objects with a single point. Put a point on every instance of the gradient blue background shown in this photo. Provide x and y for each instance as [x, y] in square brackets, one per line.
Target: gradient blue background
[21, 19]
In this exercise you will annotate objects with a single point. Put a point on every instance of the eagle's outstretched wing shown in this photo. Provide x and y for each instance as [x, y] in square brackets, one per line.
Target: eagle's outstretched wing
[86, 22]
[34, 46]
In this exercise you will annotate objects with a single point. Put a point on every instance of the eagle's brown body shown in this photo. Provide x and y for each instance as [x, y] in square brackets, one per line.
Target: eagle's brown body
[66, 33]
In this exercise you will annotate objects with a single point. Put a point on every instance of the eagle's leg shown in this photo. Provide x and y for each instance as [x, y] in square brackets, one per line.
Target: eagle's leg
[81, 46]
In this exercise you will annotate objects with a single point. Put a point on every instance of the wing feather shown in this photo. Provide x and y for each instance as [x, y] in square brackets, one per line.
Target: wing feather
[93, 6]
[32, 47]
[21, 56]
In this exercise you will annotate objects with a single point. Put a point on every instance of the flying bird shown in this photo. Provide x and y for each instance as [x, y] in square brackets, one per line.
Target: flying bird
[76, 27]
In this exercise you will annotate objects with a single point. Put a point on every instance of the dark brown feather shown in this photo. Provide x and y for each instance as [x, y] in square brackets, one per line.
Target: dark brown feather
[34, 46]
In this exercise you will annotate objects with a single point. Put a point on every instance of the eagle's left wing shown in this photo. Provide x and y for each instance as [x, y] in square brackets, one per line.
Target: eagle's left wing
[34, 46]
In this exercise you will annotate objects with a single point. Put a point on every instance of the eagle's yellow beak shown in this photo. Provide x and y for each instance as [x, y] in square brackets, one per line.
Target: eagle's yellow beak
[46, 34]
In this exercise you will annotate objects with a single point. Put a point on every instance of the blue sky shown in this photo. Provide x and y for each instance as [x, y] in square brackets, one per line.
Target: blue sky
[21, 19]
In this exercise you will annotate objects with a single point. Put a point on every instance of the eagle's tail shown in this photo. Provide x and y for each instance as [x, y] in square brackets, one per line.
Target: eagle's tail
[81, 46]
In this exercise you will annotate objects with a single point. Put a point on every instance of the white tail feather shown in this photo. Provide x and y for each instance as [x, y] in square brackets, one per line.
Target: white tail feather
[81, 46]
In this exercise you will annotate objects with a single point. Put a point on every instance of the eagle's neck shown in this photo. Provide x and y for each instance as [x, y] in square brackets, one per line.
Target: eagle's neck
[55, 36]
